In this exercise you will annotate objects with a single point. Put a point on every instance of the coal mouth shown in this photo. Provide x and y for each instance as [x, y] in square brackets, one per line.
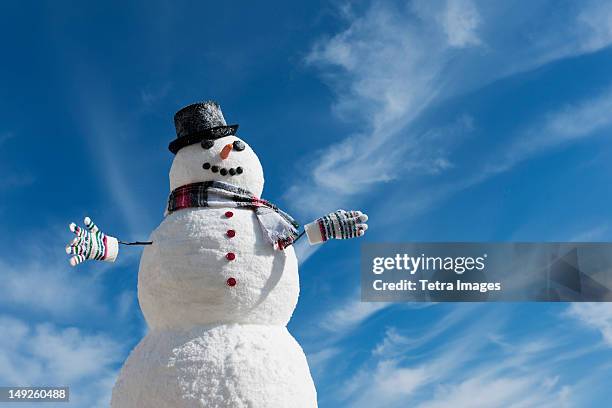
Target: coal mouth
[232, 171]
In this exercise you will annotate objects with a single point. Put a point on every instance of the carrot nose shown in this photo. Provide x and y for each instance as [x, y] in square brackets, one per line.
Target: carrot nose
[225, 152]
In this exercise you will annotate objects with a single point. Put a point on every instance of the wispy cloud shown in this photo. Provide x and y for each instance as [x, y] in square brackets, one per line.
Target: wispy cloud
[586, 118]
[350, 314]
[48, 348]
[395, 61]
[568, 123]
[516, 391]
[47, 355]
[334, 326]
[460, 21]
[560, 127]
[388, 381]
[396, 342]
[318, 361]
[104, 131]
[38, 280]
[52, 288]
[391, 342]
[387, 68]
[597, 316]
[594, 234]
[464, 369]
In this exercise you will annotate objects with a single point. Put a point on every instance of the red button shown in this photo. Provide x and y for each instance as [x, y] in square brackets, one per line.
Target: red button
[231, 282]
[229, 214]
[231, 233]
[230, 256]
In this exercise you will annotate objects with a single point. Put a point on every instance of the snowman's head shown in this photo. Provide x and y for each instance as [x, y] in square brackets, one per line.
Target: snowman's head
[228, 159]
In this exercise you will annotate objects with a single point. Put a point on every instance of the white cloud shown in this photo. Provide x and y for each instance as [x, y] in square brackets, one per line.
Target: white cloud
[125, 302]
[49, 287]
[510, 391]
[426, 68]
[394, 62]
[594, 234]
[463, 369]
[597, 316]
[37, 279]
[560, 127]
[384, 385]
[565, 125]
[460, 21]
[318, 360]
[341, 321]
[69, 354]
[571, 122]
[105, 132]
[372, 54]
[350, 314]
[390, 381]
[47, 355]
[398, 342]
[391, 341]
[40, 284]
[596, 20]
[390, 65]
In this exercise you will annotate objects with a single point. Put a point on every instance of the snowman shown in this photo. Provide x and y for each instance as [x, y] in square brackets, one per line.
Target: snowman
[218, 280]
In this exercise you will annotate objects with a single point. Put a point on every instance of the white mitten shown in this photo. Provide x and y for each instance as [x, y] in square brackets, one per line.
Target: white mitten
[92, 244]
[339, 225]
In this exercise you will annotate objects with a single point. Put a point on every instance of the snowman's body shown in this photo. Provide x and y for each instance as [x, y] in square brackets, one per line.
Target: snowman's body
[183, 276]
[214, 341]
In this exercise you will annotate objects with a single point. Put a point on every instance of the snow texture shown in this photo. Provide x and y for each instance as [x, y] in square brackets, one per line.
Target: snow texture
[211, 344]
[183, 275]
[230, 365]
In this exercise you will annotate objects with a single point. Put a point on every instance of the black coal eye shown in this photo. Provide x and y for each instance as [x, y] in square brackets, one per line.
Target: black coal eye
[238, 146]
[207, 143]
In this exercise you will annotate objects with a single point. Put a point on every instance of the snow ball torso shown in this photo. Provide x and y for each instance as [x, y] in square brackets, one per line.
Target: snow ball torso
[212, 265]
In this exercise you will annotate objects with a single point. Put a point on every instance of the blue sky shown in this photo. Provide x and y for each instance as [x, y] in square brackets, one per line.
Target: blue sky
[443, 120]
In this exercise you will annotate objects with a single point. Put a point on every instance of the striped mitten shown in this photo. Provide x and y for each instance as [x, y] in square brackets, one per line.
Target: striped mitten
[91, 244]
[339, 225]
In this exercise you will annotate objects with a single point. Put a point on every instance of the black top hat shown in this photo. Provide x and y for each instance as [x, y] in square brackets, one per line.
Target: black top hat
[199, 121]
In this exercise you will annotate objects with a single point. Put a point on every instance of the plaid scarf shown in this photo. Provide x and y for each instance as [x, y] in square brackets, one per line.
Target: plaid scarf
[279, 227]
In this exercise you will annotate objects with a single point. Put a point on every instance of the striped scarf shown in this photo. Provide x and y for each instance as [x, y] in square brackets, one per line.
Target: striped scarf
[279, 227]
